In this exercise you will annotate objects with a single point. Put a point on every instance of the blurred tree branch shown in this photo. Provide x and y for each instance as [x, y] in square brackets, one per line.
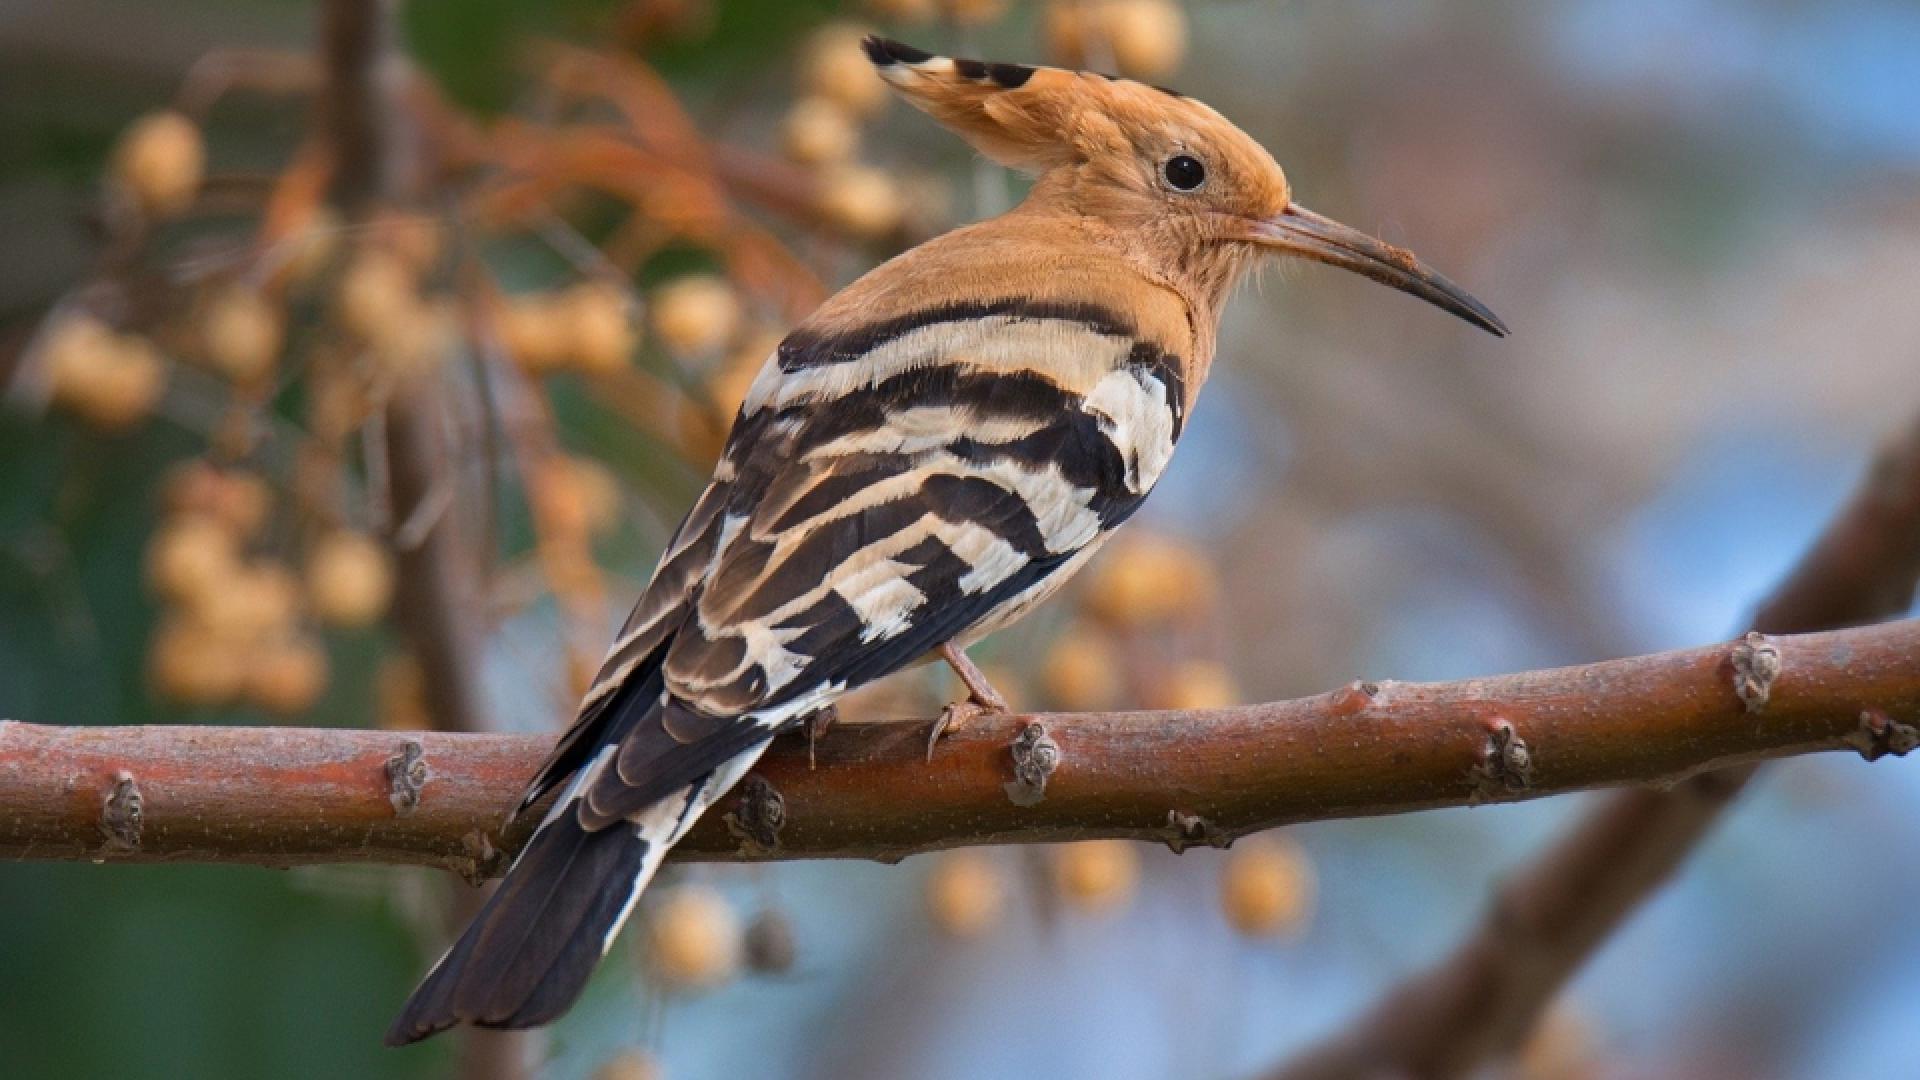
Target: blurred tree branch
[1480, 1002]
[378, 162]
[281, 796]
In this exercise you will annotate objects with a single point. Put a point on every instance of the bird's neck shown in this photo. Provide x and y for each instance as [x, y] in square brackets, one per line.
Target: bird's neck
[1164, 249]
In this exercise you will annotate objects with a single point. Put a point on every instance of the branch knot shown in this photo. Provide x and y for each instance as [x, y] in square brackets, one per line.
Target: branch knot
[122, 814]
[1035, 757]
[1880, 735]
[484, 860]
[406, 778]
[1756, 663]
[757, 819]
[1192, 830]
[1506, 763]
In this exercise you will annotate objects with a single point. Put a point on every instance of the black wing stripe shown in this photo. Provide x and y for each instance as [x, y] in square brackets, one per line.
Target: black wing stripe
[989, 394]
[1150, 359]
[976, 500]
[801, 350]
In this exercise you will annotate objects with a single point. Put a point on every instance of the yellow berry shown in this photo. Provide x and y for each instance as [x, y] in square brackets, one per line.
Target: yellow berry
[629, 1065]
[349, 579]
[533, 330]
[599, 329]
[376, 294]
[189, 665]
[1148, 37]
[819, 131]
[1144, 579]
[1267, 886]
[110, 381]
[74, 349]
[965, 892]
[693, 938]
[1144, 38]
[159, 162]
[240, 332]
[1196, 684]
[189, 557]
[135, 382]
[861, 201]
[257, 601]
[835, 66]
[286, 675]
[695, 315]
[1081, 670]
[576, 496]
[237, 500]
[1096, 875]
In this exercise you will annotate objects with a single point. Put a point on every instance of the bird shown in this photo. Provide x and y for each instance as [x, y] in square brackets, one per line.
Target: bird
[931, 453]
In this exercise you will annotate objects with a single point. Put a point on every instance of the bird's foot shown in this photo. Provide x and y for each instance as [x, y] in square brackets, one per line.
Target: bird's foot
[982, 699]
[957, 715]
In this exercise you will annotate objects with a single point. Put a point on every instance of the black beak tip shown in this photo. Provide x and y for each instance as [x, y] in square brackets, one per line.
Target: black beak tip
[1486, 320]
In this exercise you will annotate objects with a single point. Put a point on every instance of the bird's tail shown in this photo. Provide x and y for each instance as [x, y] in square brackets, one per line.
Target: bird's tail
[528, 953]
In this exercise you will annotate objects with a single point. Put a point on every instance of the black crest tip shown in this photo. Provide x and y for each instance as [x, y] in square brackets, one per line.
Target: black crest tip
[884, 52]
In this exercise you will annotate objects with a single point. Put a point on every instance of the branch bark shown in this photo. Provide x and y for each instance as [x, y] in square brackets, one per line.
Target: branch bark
[1480, 1002]
[287, 796]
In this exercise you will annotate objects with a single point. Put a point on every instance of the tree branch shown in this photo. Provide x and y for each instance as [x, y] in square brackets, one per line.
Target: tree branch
[286, 796]
[1481, 1001]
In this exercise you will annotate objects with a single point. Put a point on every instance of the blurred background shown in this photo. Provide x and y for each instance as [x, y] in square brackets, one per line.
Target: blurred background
[1701, 218]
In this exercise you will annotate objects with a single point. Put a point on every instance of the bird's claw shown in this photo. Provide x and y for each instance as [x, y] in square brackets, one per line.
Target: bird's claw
[956, 715]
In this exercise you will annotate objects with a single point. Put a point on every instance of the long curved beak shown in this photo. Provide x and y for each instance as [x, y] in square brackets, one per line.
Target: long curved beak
[1300, 231]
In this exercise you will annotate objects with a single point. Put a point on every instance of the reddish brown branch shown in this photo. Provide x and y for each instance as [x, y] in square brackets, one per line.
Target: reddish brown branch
[279, 796]
[1479, 1003]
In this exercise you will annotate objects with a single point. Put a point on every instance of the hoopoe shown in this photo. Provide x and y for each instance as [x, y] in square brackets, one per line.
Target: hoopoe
[929, 455]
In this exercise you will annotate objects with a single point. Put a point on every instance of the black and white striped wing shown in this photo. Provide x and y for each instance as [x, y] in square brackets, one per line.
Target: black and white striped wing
[920, 483]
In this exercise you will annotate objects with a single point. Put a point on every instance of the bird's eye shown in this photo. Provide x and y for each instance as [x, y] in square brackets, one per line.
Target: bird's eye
[1184, 172]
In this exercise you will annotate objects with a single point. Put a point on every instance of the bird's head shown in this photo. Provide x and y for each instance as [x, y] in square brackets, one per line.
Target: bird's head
[1165, 174]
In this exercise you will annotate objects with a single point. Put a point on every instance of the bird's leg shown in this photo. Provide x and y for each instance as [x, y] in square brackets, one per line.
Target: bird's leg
[982, 698]
[816, 724]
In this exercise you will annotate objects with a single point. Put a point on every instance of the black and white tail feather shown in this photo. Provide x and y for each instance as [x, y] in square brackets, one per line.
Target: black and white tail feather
[529, 952]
